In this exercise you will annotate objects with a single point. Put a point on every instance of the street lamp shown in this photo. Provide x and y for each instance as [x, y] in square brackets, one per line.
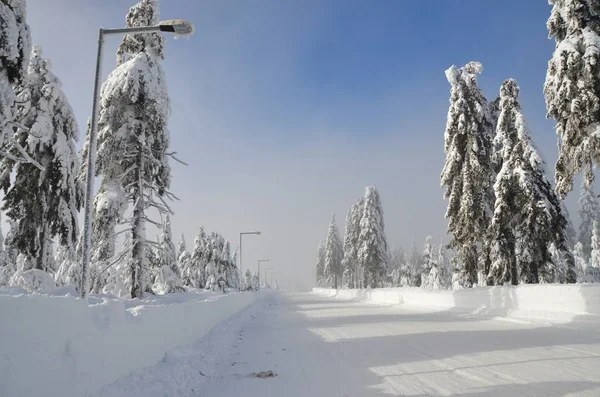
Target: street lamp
[259, 261]
[176, 26]
[267, 275]
[241, 273]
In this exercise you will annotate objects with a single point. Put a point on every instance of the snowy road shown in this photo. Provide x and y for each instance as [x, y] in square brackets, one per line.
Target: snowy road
[325, 347]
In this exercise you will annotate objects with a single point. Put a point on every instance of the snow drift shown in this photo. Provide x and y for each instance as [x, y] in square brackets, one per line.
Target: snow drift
[552, 302]
[53, 345]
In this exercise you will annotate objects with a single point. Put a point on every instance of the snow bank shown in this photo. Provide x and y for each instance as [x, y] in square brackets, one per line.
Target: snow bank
[553, 302]
[52, 345]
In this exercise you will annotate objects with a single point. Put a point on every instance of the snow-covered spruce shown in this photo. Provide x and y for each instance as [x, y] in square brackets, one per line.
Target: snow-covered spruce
[589, 212]
[372, 242]
[321, 282]
[133, 138]
[332, 269]
[528, 214]
[467, 174]
[350, 247]
[429, 263]
[15, 41]
[168, 277]
[572, 88]
[43, 203]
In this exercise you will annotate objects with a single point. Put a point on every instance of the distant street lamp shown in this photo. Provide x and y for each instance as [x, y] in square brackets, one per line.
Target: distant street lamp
[175, 26]
[241, 273]
[267, 275]
[259, 261]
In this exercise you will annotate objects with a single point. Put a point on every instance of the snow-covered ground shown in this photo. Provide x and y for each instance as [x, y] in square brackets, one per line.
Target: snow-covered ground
[556, 303]
[56, 345]
[321, 346]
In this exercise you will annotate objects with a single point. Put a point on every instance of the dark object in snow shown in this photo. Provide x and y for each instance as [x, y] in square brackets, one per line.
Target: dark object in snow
[263, 374]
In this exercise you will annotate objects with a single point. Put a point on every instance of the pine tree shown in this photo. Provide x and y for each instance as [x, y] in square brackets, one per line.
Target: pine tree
[44, 203]
[468, 171]
[181, 246]
[196, 273]
[429, 263]
[247, 281]
[15, 41]
[572, 88]
[589, 212]
[528, 214]
[351, 235]
[133, 138]
[333, 255]
[321, 264]
[372, 243]
[167, 254]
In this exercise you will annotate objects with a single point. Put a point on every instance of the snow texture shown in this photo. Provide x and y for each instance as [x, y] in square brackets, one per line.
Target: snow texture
[57, 345]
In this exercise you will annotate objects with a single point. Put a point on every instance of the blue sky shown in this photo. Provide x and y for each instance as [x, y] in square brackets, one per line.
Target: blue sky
[286, 110]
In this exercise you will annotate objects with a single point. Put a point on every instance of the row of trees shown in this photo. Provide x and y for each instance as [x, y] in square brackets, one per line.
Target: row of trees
[505, 218]
[361, 260]
[42, 174]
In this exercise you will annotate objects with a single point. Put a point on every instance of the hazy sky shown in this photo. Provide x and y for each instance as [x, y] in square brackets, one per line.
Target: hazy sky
[285, 110]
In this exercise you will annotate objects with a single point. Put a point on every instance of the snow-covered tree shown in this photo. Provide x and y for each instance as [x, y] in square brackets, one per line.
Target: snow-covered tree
[572, 88]
[372, 242]
[589, 212]
[69, 268]
[247, 286]
[528, 214]
[333, 255]
[133, 138]
[44, 202]
[196, 273]
[15, 42]
[351, 235]
[255, 283]
[444, 276]
[595, 254]
[167, 254]
[468, 171]
[167, 278]
[181, 246]
[429, 263]
[321, 281]
[581, 265]
[11, 253]
[185, 265]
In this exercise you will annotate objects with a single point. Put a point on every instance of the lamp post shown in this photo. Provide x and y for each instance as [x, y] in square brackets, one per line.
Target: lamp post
[242, 273]
[259, 261]
[267, 275]
[176, 26]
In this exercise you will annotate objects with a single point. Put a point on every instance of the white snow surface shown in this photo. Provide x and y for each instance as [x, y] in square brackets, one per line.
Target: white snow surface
[56, 344]
[321, 346]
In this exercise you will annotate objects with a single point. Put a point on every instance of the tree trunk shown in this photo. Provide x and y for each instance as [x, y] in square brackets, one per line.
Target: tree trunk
[138, 236]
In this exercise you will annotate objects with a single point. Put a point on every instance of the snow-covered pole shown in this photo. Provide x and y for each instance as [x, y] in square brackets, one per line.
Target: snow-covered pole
[91, 165]
[241, 273]
[259, 261]
[177, 27]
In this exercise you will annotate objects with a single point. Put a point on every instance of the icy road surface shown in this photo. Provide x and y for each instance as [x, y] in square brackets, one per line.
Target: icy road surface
[326, 347]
